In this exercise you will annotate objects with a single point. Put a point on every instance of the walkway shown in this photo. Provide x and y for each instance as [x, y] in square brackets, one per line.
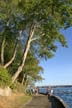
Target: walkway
[39, 101]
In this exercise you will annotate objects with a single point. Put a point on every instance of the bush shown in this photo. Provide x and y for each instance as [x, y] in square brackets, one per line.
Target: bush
[18, 87]
[5, 78]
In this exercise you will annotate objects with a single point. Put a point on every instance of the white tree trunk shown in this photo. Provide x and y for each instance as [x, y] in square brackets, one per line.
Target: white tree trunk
[2, 52]
[14, 53]
[24, 55]
[12, 59]
[23, 78]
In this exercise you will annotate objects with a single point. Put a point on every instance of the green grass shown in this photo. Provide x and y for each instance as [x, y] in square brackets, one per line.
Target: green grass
[21, 101]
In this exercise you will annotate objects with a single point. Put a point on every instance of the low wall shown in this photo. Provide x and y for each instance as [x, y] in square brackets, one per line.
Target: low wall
[57, 102]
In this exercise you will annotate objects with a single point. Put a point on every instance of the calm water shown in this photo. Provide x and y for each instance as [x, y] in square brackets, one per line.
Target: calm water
[63, 92]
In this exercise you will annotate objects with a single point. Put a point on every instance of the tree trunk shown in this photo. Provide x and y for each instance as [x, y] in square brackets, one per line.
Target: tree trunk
[2, 52]
[19, 70]
[14, 52]
[23, 79]
[12, 59]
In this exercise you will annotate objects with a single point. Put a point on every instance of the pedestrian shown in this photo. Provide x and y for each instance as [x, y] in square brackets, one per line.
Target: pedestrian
[51, 91]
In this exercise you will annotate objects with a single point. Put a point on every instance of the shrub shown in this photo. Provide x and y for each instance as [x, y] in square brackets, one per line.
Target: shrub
[5, 78]
[17, 87]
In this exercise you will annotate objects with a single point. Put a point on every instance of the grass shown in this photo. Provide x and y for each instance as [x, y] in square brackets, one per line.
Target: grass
[14, 101]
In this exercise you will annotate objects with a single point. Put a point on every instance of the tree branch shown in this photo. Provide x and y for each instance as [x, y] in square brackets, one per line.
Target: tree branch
[2, 51]
[13, 57]
[27, 47]
[33, 39]
[14, 53]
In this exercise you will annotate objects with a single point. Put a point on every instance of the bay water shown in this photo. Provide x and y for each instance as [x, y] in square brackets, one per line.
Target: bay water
[65, 93]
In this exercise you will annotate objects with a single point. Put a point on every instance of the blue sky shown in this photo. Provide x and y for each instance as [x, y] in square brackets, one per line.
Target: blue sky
[58, 70]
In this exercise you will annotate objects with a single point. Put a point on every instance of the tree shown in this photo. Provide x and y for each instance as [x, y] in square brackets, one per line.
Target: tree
[32, 70]
[44, 19]
[10, 27]
[40, 20]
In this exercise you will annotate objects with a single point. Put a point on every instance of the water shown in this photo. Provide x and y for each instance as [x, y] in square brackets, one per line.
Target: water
[63, 92]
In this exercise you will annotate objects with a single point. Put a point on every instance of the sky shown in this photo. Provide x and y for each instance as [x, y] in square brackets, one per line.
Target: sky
[58, 70]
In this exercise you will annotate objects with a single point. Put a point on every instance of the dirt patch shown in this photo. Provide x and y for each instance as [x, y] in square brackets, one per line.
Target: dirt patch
[14, 101]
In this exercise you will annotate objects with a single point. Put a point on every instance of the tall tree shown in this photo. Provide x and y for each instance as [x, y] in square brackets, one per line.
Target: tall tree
[44, 19]
[41, 21]
[10, 35]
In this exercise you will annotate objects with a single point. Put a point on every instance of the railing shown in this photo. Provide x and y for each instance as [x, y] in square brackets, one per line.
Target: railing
[57, 102]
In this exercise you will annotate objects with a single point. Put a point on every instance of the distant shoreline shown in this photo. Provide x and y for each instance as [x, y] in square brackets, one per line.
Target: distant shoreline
[53, 86]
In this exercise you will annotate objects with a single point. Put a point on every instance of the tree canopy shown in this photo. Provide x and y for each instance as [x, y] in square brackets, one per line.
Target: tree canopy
[35, 26]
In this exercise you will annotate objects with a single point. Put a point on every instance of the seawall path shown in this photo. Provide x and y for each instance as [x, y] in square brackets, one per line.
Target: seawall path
[39, 101]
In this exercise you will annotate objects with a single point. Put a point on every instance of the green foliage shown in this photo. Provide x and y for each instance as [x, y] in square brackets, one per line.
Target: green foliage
[5, 78]
[13, 67]
[31, 72]
[18, 87]
[49, 16]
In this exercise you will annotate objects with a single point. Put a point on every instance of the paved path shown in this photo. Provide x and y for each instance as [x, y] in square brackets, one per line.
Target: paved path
[39, 101]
